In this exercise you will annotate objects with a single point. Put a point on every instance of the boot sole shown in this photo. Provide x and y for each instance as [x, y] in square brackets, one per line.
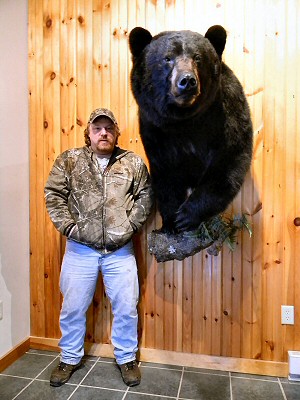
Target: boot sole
[60, 383]
[57, 384]
[131, 384]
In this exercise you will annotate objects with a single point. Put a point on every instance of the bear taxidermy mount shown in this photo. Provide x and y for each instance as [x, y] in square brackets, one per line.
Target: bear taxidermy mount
[194, 122]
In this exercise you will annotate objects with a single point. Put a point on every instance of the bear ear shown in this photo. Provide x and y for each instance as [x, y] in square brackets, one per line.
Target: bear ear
[217, 36]
[138, 40]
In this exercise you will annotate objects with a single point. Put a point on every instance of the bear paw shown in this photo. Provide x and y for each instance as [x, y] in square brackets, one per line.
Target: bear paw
[186, 220]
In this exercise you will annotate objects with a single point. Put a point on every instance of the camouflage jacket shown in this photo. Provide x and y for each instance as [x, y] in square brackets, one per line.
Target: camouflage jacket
[99, 209]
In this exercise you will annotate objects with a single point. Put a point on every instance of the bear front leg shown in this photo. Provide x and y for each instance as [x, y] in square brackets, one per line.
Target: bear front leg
[205, 202]
[169, 197]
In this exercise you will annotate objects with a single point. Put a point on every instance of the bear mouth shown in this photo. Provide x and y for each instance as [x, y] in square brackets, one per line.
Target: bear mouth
[185, 100]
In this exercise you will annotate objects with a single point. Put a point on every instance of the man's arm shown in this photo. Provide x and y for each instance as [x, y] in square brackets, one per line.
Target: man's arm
[143, 197]
[56, 197]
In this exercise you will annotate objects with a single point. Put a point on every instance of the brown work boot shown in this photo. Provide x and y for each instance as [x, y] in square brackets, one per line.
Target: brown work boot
[62, 373]
[130, 373]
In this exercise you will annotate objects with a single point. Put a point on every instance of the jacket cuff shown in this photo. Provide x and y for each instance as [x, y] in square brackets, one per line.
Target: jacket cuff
[68, 229]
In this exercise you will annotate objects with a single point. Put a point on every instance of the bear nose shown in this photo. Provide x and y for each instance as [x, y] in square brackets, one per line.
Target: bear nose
[187, 81]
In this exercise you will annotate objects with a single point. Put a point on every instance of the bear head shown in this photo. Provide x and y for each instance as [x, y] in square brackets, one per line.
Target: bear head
[175, 74]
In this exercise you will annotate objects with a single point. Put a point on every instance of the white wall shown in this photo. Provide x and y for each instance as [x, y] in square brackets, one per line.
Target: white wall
[14, 175]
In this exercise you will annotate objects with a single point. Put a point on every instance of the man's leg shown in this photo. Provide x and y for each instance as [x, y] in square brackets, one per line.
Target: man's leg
[120, 278]
[78, 278]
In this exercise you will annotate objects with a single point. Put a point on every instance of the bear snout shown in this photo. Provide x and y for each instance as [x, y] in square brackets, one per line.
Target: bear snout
[187, 82]
[185, 88]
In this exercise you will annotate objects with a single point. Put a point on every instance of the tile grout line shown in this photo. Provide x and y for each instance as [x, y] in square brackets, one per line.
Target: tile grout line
[183, 370]
[230, 386]
[33, 379]
[201, 373]
[282, 390]
[22, 390]
[180, 383]
[47, 366]
[31, 353]
[155, 395]
[125, 394]
[16, 376]
[162, 368]
[78, 385]
[274, 379]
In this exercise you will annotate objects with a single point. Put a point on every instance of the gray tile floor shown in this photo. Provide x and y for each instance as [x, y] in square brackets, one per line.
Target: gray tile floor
[99, 379]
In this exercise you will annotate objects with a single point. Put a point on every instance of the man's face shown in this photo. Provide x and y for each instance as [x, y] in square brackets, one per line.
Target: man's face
[103, 136]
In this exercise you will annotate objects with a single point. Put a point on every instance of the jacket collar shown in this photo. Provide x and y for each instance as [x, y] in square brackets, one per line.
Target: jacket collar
[116, 154]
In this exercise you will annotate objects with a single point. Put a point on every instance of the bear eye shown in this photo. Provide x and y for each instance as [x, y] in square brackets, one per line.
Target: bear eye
[168, 59]
[197, 58]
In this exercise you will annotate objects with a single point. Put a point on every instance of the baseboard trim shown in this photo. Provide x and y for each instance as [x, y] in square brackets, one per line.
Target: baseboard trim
[240, 365]
[15, 353]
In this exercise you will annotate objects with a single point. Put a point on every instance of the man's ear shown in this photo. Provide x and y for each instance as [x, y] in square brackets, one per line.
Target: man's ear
[217, 36]
[139, 38]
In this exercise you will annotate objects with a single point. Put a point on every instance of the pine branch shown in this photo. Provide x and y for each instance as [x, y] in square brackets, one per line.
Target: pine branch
[211, 234]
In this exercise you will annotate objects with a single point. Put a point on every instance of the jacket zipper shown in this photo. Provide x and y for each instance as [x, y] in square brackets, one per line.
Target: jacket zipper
[104, 175]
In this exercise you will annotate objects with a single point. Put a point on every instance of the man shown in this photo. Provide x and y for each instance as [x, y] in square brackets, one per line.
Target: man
[98, 196]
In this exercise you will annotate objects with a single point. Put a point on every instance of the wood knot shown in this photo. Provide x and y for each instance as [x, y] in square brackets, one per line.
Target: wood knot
[270, 343]
[45, 124]
[46, 276]
[95, 303]
[80, 19]
[266, 266]
[49, 23]
[297, 221]
[79, 122]
[225, 312]
[52, 76]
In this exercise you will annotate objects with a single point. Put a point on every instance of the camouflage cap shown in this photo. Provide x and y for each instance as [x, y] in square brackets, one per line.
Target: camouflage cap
[102, 112]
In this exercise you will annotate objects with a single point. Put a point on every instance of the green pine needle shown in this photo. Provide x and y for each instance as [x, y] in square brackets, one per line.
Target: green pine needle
[222, 229]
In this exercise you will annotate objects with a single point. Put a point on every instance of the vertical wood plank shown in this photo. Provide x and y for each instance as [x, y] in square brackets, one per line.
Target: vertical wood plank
[37, 257]
[296, 230]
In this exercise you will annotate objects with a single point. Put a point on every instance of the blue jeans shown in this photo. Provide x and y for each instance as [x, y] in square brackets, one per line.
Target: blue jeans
[79, 273]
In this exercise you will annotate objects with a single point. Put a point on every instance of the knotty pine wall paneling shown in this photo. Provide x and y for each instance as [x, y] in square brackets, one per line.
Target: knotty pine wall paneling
[227, 305]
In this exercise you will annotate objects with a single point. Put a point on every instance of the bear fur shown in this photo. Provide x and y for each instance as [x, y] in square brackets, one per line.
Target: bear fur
[194, 122]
